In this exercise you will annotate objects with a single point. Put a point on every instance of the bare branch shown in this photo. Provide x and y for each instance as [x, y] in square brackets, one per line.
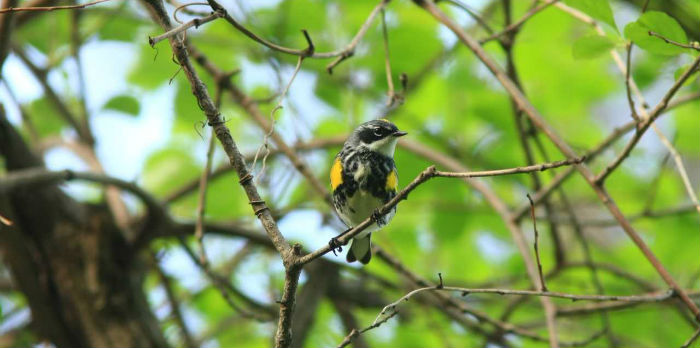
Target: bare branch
[222, 132]
[272, 114]
[7, 23]
[424, 176]
[51, 8]
[693, 46]
[310, 145]
[517, 24]
[691, 339]
[63, 110]
[253, 111]
[177, 30]
[387, 65]
[40, 176]
[627, 73]
[630, 85]
[342, 54]
[260, 313]
[543, 287]
[175, 311]
[647, 122]
[471, 12]
[539, 121]
[201, 202]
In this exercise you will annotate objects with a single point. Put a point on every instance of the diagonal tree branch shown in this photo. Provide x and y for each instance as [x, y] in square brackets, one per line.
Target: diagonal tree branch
[63, 110]
[254, 112]
[539, 121]
[50, 8]
[7, 22]
[289, 255]
[222, 132]
[425, 175]
[341, 54]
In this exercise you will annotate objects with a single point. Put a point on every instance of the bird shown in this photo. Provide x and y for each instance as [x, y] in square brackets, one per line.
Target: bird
[363, 179]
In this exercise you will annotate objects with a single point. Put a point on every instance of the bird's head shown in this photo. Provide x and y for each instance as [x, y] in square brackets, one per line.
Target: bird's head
[377, 135]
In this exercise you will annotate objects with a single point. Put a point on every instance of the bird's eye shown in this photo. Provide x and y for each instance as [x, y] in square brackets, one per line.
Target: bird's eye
[378, 132]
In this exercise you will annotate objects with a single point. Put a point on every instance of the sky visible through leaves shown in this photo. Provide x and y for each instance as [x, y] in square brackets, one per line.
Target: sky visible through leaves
[149, 131]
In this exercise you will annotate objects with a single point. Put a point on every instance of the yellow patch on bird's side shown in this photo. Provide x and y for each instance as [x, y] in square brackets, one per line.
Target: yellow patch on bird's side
[392, 181]
[336, 174]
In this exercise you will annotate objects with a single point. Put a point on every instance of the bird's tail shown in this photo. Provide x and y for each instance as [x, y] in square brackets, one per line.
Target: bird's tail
[360, 249]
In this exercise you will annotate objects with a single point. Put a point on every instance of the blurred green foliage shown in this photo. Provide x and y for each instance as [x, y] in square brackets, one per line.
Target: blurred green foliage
[454, 106]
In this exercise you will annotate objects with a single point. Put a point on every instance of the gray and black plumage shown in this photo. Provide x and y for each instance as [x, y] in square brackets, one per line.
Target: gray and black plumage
[364, 178]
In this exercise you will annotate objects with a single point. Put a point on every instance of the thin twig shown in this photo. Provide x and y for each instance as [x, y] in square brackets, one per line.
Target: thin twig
[527, 130]
[588, 262]
[648, 214]
[342, 53]
[51, 8]
[517, 24]
[179, 29]
[202, 200]
[631, 85]
[184, 8]
[7, 25]
[453, 308]
[222, 132]
[679, 165]
[41, 75]
[40, 176]
[424, 176]
[543, 286]
[694, 45]
[387, 64]
[471, 12]
[310, 145]
[628, 72]
[506, 216]
[391, 309]
[563, 147]
[175, 311]
[288, 254]
[355, 333]
[260, 313]
[349, 324]
[691, 339]
[272, 118]
[657, 296]
[254, 112]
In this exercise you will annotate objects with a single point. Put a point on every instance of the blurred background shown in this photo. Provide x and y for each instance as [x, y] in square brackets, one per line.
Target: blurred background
[138, 121]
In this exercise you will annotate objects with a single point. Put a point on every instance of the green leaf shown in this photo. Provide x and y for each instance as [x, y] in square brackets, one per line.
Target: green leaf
[661, 24]
[121, 28]
[44, 32]
[44, 117]
[677, 74]
[591, 46]
[123, 103]
[153, 67]
[166, 169]
[598, 9]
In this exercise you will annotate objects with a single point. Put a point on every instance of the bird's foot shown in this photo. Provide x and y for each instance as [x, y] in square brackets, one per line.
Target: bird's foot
[335, 245]
[377, 217]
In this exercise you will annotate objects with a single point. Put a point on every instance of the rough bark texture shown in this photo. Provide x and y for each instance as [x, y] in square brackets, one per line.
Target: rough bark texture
[82, 281]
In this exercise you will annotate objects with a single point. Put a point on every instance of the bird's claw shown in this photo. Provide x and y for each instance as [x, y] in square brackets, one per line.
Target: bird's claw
[377, 217]
[335, 245]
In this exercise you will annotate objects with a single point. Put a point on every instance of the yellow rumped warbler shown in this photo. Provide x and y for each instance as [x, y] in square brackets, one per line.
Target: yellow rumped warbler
[363, 178]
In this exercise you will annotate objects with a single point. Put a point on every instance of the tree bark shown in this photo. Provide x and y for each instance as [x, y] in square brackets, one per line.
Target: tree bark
[82, 280]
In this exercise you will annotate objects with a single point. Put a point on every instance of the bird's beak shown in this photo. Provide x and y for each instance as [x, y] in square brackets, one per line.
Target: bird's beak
[399, 134]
